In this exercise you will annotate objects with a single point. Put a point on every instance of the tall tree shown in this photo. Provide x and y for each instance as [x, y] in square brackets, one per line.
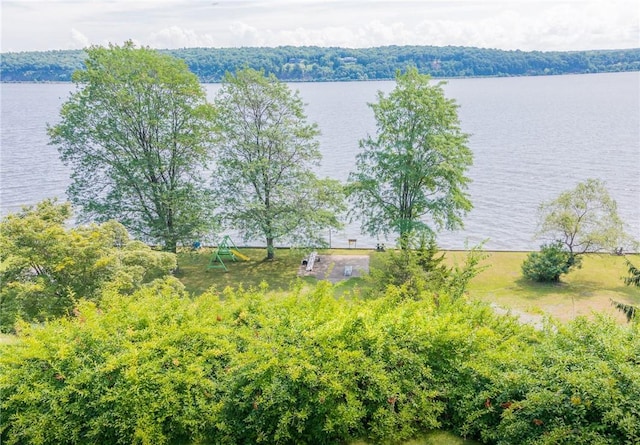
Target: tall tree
[584, 219]
[136, 133]
[266, 151]
[414, 168]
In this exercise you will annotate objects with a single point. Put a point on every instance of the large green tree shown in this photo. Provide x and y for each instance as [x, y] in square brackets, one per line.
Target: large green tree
[45, 267]
[584, 219]
[266, 151]
[136, 134]
[410, 177]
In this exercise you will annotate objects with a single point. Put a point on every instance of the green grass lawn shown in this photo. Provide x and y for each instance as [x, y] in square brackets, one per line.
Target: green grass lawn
[279, 273]
[579, 293]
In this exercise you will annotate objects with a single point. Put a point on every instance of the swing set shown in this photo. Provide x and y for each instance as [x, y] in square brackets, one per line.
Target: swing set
[226, 248]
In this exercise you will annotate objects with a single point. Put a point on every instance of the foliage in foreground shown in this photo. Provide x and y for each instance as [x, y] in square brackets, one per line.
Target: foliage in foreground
[248, 367]
[45, 267]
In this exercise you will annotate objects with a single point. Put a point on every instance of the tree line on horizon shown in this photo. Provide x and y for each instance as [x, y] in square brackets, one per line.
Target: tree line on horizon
[313, 64]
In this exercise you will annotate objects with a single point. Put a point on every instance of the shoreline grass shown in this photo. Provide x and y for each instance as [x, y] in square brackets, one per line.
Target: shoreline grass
[581, 292]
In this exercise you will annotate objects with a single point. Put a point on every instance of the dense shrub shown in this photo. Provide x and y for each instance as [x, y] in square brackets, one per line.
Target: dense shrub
[157, 368]
[579, 385]
[129, 373]
[47, 266]
[249, 367]
[547, 265]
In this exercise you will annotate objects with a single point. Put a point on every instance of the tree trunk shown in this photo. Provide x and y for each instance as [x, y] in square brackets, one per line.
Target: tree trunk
[405, 237]
[171, 242]
[271, 251]
[171, 245]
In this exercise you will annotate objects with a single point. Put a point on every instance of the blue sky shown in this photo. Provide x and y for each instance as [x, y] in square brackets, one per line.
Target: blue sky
[506, 24]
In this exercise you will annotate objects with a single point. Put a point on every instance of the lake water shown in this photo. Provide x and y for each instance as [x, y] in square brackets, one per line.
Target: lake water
[532, 138]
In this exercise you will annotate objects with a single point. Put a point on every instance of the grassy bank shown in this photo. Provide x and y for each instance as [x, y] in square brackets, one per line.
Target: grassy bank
[197, 275]
[584, 290]
[581, 292]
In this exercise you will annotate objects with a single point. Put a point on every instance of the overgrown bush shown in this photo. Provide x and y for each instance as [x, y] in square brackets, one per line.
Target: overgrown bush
[46, 267]
[547, 265]
[420, 270]
[580, 384]
[243, 366]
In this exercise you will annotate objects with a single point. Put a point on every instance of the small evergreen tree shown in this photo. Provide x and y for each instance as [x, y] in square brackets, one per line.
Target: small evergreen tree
[417, 269]
[629, 310]
[634, 275]
[420, 268]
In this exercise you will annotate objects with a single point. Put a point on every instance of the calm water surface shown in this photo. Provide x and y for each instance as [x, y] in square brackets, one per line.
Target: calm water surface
[532, 138]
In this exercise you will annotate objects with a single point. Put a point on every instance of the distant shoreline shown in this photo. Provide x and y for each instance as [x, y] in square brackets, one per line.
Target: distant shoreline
[335, 64]
[61, 82]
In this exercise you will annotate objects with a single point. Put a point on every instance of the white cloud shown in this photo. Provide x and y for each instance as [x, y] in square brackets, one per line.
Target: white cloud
[176, 37]
[241, 34]
[506, 24]
[78, 40]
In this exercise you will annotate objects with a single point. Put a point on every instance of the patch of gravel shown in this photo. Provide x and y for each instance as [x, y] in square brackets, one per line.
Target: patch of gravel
[332, 267]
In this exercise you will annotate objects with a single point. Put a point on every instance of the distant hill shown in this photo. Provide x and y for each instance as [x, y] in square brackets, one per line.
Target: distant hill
[312, 63]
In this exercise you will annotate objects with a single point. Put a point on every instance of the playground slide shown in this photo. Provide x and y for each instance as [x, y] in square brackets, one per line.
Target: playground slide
[240, 255]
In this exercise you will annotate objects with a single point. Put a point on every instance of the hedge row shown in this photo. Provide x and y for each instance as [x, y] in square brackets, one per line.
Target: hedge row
[248, 367]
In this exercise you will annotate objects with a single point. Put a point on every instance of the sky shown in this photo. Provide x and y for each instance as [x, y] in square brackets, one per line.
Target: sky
[545, 25]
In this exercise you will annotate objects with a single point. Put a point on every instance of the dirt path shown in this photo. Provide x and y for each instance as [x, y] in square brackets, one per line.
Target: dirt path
[534, 320]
